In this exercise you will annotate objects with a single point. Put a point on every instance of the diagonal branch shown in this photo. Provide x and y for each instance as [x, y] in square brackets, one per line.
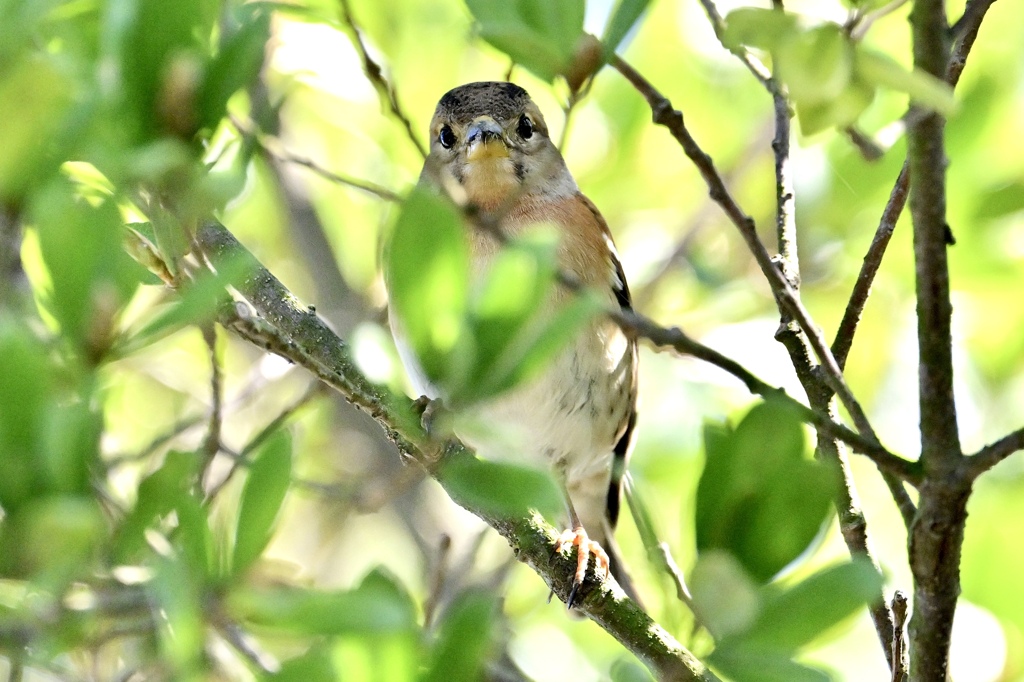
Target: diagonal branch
[288, 329]
[664, 114]
[678, 341]
[966, 31]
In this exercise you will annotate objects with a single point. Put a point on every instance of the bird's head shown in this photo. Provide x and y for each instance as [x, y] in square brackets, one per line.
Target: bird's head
[492, 140]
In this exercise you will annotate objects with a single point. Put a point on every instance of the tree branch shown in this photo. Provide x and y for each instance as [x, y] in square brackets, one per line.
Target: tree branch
[288, 329]
[993, 454]
[375, 74]
[678, 341]
[966, 31]
[664, 114]
[936, 539]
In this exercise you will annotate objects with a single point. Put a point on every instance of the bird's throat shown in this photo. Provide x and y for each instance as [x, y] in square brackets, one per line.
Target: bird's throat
[490, 181]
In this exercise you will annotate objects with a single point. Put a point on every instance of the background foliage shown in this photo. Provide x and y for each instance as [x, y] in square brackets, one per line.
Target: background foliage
[158, 523]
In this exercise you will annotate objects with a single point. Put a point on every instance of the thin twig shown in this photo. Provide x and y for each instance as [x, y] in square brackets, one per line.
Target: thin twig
[365, 185]
[994, 453]
[241, 459]
[678, 341]
[666, 115]
[755, 65]
[278, 153]
[967, 33]
[373, 71]
[861, 21]
[213, 428]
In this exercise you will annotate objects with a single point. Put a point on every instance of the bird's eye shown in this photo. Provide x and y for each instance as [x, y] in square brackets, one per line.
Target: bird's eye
[525, 128]
[446, 137]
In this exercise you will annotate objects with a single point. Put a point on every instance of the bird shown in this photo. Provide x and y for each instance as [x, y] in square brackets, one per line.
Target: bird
[491, 151]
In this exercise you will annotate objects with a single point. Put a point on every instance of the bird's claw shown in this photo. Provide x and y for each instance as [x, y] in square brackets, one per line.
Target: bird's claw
[584, 548]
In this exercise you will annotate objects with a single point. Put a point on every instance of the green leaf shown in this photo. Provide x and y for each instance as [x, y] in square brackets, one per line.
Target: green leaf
[628, 670]
[465, 641]
[794, 617]
[514, 343]
[760, 497]
[196, 303]
[428, 280]
[839, 112]
[193, 538]
[725, 599]
[265, 488]
[25, 393]
[158, 494]
[624, 18]
[537, 345]
[176, 594]
[764, 29]
[378, 605]
[315, 664]
[91, 274]
[816, 64]
[35, 98]
[924, 89]
[500, 489]
[53, 538]
[538, 34]
[72, 445]
[743, 665]
[236, 66]
[160, 48]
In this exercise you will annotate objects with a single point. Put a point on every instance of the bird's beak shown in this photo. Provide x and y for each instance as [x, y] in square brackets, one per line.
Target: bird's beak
[484, 140]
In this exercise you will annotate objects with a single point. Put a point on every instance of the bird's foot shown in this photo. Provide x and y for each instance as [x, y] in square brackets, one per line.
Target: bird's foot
[585, 547]
[430, 411]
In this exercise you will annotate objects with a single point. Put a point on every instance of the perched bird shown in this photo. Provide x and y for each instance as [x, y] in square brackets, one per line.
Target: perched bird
[490, 150]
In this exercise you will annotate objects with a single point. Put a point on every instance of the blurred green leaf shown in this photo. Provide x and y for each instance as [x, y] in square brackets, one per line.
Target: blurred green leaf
[265, 488]
[35, 98]
[764, 29]
[25, 391]
[428, 280]
[501, 489]
[624, 17]
[465, 641]
[158, 494]
[999, 201]
[236, 65]
[92, 276]
[725, 599]
[196, 303]
[924, 89]
[841, 111]
[760, 497]
[193, 537]
[160, 48]
[742, 665]
[177, 596]
[793, 617]
[315, 664]
[816, 64]
[53, 538]
[71, 447]
[628, 670]
[512, 342]
[378, 605]
[538, 34]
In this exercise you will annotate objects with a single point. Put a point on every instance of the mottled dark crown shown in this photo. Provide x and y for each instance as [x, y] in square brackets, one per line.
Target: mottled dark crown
[501, 101]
